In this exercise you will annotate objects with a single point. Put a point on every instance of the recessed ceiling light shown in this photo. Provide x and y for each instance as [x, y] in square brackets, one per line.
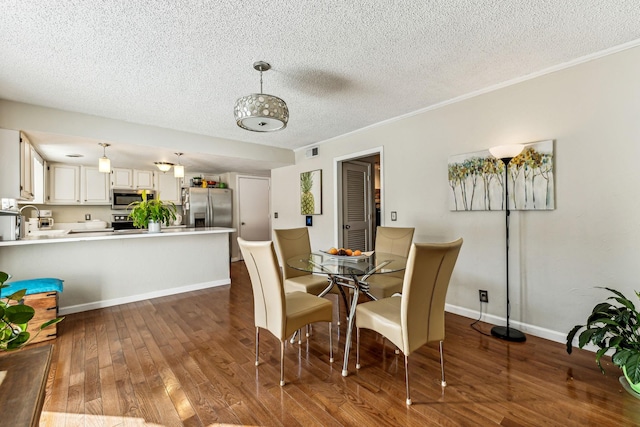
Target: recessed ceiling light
[75, 155]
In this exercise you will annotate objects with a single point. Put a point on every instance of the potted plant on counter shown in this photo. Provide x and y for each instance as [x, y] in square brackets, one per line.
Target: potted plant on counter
[15, 317]
[614, 327]
[152, 213]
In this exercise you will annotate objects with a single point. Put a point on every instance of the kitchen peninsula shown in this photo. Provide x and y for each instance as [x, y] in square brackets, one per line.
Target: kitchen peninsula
[104, 269]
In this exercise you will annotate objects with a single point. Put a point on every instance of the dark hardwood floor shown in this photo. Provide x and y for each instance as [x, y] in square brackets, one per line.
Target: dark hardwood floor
[189, 360]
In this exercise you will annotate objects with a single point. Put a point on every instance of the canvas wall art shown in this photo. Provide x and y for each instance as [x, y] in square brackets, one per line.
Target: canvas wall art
[311, 192]
[476, 180]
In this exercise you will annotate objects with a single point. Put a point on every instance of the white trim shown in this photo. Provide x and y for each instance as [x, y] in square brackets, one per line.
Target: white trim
[140, 297]
[560, 337]
[556, 336]
[492, 88]
[352, 156]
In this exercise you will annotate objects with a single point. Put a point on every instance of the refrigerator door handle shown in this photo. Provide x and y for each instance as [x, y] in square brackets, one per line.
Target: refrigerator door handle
[211, 213]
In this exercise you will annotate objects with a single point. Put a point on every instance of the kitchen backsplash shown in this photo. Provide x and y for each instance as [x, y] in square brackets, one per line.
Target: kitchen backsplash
[77, 213]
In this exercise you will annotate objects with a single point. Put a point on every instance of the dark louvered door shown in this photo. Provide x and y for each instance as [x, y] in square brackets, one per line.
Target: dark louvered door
[356, 215]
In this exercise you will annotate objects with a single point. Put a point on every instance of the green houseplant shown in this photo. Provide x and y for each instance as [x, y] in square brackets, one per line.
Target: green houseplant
[15, 317]
[612, 326]
[151, 211]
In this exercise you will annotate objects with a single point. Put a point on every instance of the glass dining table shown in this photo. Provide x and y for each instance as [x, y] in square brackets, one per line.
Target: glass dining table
[351, 273]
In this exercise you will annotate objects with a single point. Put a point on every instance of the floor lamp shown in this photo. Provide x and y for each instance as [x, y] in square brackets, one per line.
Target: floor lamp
[506, 153]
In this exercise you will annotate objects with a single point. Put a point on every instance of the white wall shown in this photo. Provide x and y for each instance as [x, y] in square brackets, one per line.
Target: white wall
[557, 258]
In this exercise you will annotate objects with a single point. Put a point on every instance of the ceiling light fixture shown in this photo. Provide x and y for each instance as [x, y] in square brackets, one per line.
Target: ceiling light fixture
[178, 170]
[260, 112]
[104, 164]
[163, 166]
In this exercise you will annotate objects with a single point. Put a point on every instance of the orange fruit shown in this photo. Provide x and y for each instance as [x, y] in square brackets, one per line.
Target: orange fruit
[357, 252]
[349, 252]
[333, 251]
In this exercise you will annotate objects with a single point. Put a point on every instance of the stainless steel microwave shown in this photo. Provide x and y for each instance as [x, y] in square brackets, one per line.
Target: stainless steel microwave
[121, 198]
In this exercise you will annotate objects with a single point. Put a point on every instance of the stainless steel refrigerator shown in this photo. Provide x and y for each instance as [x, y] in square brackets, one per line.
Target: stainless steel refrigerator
[207, 207]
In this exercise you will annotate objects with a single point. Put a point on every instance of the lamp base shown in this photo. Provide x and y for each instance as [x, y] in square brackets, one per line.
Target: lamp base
[508, 334]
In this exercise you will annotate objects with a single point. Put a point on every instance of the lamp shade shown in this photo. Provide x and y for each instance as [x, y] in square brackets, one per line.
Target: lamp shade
[506, 151]
[104, 165]
[260, 112]
[178, 171]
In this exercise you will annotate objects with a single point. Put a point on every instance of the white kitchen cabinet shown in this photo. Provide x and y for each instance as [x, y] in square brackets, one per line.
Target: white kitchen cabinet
[64, 184]
[122, 178]
[95, 186]
[26, 168]
[169, 187]
[143, 180]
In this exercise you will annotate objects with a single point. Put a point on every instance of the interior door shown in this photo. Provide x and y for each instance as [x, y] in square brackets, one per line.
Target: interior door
[356, 203]
[253, 206]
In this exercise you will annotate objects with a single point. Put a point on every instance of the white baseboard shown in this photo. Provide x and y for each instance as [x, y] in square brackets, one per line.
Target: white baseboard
[133, 298]
[537, 331]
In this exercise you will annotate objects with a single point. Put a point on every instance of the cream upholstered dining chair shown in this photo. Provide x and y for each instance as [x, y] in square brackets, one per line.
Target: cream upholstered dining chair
[276, 311]
[295, 241]
[393, 240]
[417, 316]
[292, 242]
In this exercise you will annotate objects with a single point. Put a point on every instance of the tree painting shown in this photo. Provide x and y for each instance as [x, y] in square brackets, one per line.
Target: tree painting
[477, 180]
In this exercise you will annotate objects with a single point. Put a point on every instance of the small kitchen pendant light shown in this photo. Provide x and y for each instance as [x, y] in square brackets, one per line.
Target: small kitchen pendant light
[104, 164]
[260, 112]
[178, 170]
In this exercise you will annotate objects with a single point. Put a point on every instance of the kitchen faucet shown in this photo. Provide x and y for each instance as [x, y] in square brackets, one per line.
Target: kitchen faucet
[37, 212]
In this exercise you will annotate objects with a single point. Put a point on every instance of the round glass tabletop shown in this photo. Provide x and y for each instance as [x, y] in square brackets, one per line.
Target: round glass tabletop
[324, 263]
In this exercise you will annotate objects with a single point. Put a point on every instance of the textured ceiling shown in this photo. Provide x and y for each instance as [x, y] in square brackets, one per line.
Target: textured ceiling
[340, 65]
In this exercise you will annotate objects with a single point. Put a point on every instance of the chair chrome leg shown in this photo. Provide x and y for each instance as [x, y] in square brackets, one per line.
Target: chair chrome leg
[406, 373]
[357, 348]
[338, 300]
[308, 331]
[330, 344]
[257, 340]
[300, 336]
[281, 363]
[443, 383]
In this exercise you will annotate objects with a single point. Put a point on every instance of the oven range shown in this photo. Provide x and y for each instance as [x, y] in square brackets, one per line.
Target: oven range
[122, 222]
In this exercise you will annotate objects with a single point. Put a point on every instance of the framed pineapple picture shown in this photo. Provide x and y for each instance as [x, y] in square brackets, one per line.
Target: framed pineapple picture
[311, 192]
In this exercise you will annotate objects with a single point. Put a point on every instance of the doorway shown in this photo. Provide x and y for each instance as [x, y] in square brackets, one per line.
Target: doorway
[359, 190]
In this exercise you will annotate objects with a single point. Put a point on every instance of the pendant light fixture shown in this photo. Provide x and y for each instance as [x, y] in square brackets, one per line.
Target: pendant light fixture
[260, 112]
[104, 164]
[163, 166]
[178, 170]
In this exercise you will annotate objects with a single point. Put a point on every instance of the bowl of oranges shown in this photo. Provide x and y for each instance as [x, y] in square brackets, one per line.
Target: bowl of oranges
[348, 253]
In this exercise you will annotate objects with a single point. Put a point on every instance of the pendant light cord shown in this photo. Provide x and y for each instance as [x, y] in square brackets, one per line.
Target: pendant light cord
[260, 79]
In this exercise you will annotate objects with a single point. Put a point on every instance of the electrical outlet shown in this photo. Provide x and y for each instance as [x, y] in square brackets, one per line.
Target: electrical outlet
[87, 217]
[484, 296]
[394, 216]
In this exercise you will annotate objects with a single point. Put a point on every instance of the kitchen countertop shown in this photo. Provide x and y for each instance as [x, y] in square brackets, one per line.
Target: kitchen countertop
[111, 235]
